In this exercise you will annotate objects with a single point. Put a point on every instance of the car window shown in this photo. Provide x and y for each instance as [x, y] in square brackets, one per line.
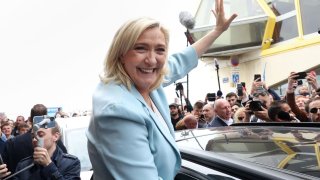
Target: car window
[289, 148]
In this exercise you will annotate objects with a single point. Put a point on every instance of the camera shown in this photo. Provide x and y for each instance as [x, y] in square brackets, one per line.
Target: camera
[211, 96]
[179, 87]
[255, 106]
[43, 122]
[201, 116]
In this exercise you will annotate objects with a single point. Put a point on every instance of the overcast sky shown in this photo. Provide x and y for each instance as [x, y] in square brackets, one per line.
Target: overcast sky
[51, 52]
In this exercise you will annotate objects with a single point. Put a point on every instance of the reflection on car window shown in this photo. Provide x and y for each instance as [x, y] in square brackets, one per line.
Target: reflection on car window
[290, 148]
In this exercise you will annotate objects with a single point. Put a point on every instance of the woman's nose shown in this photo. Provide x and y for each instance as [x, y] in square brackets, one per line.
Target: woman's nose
[151, 58]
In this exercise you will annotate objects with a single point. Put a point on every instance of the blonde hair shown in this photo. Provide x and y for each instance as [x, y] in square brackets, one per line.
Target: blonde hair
[123, 41]
[237, 113]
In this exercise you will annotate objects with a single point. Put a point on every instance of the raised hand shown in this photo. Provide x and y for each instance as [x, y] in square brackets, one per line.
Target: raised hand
[222, 23]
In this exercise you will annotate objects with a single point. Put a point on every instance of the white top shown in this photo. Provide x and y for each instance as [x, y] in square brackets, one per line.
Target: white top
[156, 111]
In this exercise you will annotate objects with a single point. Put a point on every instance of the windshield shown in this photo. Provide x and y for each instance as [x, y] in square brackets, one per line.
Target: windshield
[290, 148]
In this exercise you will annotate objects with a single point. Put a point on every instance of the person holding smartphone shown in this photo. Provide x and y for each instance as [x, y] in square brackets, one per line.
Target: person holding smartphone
[301, 114]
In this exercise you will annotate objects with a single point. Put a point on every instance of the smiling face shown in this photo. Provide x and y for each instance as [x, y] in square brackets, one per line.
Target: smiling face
[144, 62]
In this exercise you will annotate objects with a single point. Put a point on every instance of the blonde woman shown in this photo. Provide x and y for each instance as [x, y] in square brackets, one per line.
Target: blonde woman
[130, 135]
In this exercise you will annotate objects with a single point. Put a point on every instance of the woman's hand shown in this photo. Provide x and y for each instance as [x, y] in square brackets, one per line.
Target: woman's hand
[222, 23]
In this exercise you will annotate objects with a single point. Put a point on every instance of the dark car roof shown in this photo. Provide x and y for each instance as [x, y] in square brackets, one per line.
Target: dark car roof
[279, 146]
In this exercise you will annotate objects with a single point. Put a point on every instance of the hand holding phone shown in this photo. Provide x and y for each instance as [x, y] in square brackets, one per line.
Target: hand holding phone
[300, 75]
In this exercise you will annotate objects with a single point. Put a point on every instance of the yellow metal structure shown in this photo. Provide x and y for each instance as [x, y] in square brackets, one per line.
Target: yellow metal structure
[268, 33]
[290, 45]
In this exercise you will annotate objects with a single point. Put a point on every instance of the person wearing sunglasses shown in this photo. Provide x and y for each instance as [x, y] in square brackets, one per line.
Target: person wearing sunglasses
[314, 110]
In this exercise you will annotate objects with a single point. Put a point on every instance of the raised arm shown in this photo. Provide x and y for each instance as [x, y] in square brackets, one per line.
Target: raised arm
[222, 24]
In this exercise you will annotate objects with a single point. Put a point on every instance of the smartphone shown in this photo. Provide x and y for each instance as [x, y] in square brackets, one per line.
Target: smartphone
[255, 106]
[301, 75]
[211, 96]
[243, 84]
[239, 90]
[300, 82]
[257, 76]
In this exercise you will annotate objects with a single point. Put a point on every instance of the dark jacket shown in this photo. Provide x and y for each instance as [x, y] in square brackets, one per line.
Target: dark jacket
[18, 148]
[217, 122]
[63, 166]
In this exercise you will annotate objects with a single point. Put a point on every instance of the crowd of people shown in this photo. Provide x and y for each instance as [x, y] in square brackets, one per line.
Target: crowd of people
[262, 104]
[35, 153]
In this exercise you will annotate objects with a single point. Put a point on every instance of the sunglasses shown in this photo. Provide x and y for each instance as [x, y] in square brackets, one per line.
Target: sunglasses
[314, 110]
[259, 94]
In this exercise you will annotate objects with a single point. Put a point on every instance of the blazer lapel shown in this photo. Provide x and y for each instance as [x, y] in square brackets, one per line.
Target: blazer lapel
[169, 135]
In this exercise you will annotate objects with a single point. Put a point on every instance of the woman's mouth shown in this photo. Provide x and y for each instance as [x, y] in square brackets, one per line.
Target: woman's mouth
[146, 70]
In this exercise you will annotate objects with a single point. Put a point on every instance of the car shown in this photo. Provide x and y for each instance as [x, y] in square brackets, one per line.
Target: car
[75, 140]
[250, 151]
[242, 151]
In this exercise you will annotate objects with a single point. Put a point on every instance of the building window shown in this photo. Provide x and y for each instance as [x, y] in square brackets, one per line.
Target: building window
[310, 16]
[286, 22]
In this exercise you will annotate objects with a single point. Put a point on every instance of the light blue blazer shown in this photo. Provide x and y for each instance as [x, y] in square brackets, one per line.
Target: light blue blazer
[126, 139]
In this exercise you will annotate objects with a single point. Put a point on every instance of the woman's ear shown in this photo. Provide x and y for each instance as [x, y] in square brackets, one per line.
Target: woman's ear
[121, 59]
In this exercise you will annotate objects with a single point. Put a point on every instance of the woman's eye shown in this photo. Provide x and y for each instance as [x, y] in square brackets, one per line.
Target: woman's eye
[161, 50]
[139, 48]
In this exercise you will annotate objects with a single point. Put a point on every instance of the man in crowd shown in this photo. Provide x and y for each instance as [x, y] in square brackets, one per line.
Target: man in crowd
[3, 117]
[297, 108]
[208, 112]
[222, 109]
[21, 146]
[23, 128]
[280, 111]
[232, 98]
[6, 129]
[190, 122]
[19, 120]
[175, 114]
[50, 161]
[197, 113]
[314, 109]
